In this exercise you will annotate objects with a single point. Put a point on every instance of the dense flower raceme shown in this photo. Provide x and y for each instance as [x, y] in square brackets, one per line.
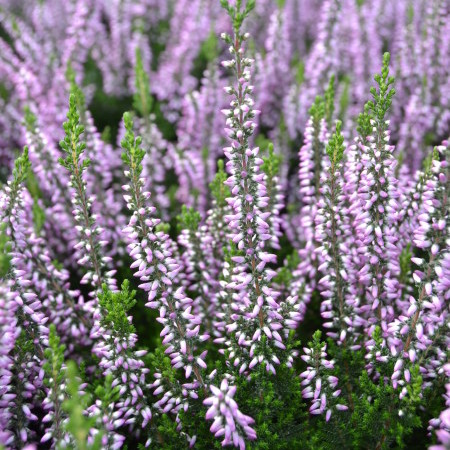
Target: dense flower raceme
[443, 422]
[157, 270]
[237, 253]
[115, 342]
[228, 420]
[10, 333]
[249, 227]
[21, 361]
[89, 245]
[319, 381]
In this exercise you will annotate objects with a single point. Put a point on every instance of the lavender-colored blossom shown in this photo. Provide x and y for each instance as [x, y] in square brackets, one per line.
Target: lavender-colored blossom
[419, 327]
[229, 422]
[115, 347]
[190, 24]
[152, 257]
[442, 424]
[200, 146]
[9, 332]
[274, 76]
[89, 245]
[248, 223]
[318, 380]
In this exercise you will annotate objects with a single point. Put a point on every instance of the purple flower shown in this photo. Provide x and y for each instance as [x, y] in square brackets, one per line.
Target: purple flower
[229, 422]
[151, 251]
[318, 383]
[10, 332]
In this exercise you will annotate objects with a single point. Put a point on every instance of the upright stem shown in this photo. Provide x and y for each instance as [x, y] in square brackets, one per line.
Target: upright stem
[86, 217]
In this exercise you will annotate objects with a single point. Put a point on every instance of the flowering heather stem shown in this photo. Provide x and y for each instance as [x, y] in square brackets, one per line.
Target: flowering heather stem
[10, 333]
[200, 263]
[324, 393]
[13, 216]
[55, 374]
[376, 191]
[157, 269]
[331, 227]
[115, 346]
[88, 230]
[427, 312]
[248, 223]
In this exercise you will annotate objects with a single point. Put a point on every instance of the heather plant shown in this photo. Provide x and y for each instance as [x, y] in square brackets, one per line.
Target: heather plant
[239, 236]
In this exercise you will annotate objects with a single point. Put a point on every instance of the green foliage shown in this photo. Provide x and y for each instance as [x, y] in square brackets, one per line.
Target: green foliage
[115, 306]
[133, 154]
[208, 54]
[5, 258]
[33, 185]
[159, 362]
[72, 144]
[30, 179]
[78, 425]
[316, 344]
[410, 13]
[55, 374]
[168, 437]
[235, 13]
[210, 47]
[76, 89]
[364, 127]
[344, 100]
[21, 169]
[38, 216]
[19, 175]
[164, 227]
[276, 404]
[189, 219]
[219, 190]
[106, 135]
[405, 263]
[382, 99]
[55, 359]
[317, 110]
[380, 416]
[106, 393]
[299, 72]
[142, 98]
[272, 162]
[30, 119]
[377, 108]
[335, 147]
[428, 162]
[285, 274]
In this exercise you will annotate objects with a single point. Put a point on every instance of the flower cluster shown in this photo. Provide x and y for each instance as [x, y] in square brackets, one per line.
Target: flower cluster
[115, 342]
[89, 245]
[320, 384]
[443, 422]
[229, 422]
[151, 251]
[10, 334]
[248, 223]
